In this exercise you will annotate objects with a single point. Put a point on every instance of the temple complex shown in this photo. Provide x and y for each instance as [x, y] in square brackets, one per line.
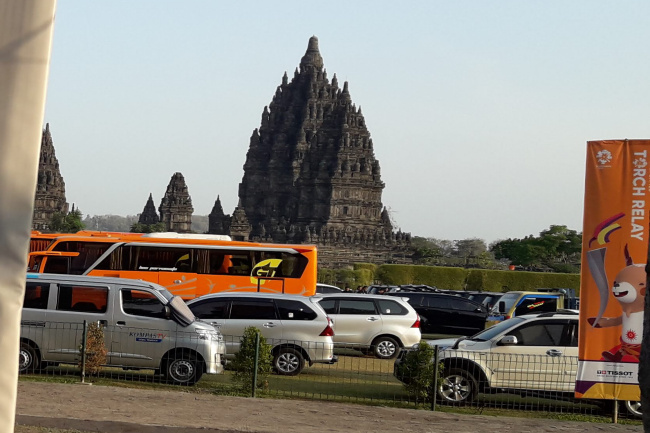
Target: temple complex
[50, 187]
[311, 175]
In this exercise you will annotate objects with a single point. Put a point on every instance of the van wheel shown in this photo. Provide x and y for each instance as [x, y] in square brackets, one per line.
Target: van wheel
[633, 408]
[27, 359]
[458, 387]
[183, 369]
[288, 362]
[385, 348]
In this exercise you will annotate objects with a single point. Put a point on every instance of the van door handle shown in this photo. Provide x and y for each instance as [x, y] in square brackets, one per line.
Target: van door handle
[269, 325]
[554, 352]
[177, 281]
[121, 322]
[103, 322]
[372, 319]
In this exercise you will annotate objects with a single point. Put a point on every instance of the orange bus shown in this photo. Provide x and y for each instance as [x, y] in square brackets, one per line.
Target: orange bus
[39, 241]
[187, 265]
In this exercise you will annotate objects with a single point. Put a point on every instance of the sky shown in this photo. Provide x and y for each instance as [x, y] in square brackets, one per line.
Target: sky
[479, 111]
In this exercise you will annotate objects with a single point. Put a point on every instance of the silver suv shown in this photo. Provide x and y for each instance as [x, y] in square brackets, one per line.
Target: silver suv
[378, 324]
[296, 326]
[526, 354]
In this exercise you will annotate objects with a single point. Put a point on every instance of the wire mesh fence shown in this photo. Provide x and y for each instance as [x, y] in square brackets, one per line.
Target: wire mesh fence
[472, 381]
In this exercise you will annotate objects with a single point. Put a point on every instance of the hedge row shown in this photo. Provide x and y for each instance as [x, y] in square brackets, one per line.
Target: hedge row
[447, 278]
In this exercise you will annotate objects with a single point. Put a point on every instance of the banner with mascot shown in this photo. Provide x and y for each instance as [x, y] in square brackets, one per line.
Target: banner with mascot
[613, 279]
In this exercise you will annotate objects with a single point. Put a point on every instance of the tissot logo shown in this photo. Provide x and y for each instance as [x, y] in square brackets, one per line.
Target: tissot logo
[613, 373]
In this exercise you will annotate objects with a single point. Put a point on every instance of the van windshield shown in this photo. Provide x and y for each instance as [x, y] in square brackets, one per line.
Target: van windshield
[509, 300]
[181, 312]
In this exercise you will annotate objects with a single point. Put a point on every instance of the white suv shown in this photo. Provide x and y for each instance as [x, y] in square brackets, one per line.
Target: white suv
[296, 326]
[526, 354]
[376, 324]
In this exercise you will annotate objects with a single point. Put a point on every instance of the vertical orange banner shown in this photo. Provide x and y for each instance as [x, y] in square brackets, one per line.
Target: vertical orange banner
[613, 279]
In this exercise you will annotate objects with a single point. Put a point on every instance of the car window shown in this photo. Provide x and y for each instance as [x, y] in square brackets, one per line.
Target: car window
[356, 306]
[294, 310]
[36, 295]
[253, 309]
[442, 302]
[573, 333]
[85, 299]
[142, 303]
[540, 334]
[211, 309]
[463, 305]
[391, 308]
[329, 305]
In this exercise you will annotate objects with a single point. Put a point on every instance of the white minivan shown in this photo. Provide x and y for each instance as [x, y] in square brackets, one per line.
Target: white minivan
[145, 326]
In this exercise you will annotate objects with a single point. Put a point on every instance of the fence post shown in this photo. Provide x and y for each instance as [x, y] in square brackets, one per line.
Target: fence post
[434, 386]
[615, 412]
[257, 356]
[83, 351]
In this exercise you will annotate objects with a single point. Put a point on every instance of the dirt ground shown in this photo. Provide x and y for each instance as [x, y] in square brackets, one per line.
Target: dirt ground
[67, 408]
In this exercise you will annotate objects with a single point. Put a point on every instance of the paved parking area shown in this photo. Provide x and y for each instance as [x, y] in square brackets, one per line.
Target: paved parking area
[125, 410]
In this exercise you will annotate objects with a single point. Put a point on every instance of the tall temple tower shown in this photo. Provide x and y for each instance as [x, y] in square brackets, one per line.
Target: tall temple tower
[50, 187]
[218, 222]
[176, 206]
[310, 173]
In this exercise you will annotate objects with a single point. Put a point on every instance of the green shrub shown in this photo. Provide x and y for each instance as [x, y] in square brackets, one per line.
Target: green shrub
[417, 372]
[244, 362]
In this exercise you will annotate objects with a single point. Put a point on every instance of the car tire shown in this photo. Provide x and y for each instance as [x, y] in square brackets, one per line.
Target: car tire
[457, 387]
[633, 408]
[28, 361]
[182, 369]
[288, 362]
[385, 348]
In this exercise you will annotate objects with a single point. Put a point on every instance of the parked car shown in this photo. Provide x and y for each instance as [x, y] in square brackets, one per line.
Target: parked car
[373, 323]
[489, 299]
[296, 326]
[327, 288]
[144, 326]
[446, 314]
[528, 355]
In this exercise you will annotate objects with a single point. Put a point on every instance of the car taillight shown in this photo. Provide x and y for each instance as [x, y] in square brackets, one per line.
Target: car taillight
[328, 331]
[417, 323]
[507, 317]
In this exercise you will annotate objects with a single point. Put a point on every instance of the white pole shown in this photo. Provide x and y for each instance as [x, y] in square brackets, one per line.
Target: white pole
[25, 44]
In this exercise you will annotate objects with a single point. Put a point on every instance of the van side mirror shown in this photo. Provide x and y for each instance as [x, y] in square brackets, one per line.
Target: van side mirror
[502, 307]
[168, 312]
[508, 340]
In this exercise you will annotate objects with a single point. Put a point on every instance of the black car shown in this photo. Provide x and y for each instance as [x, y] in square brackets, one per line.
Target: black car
[446, 314]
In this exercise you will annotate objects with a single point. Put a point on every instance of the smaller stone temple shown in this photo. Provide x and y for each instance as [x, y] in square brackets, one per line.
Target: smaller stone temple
[50, 187]
[149, 214]
[218, 222]
[176, 206]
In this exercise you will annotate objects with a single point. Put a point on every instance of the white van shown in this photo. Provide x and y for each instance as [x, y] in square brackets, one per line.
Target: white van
[145, 326]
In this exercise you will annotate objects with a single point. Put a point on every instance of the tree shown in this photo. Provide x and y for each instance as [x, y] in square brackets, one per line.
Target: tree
[66, 223]
[148, 228]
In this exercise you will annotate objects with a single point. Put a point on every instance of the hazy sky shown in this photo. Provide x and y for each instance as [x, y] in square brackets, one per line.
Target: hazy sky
[479, 110]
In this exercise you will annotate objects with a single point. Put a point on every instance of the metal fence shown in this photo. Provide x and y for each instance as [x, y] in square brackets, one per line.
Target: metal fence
[478, 383]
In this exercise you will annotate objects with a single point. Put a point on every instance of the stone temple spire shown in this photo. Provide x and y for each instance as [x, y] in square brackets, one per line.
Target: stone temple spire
[50, 188]
[218, 222]
[176, 206]
[149, 215]
[312, 58]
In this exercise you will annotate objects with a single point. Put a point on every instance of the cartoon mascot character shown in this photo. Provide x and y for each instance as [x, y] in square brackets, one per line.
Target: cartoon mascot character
[629, 290]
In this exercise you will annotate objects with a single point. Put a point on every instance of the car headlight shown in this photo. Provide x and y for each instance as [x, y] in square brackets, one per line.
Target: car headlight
[206, 334]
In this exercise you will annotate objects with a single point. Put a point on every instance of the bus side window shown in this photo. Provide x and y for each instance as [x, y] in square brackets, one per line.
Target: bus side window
[56, 265]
